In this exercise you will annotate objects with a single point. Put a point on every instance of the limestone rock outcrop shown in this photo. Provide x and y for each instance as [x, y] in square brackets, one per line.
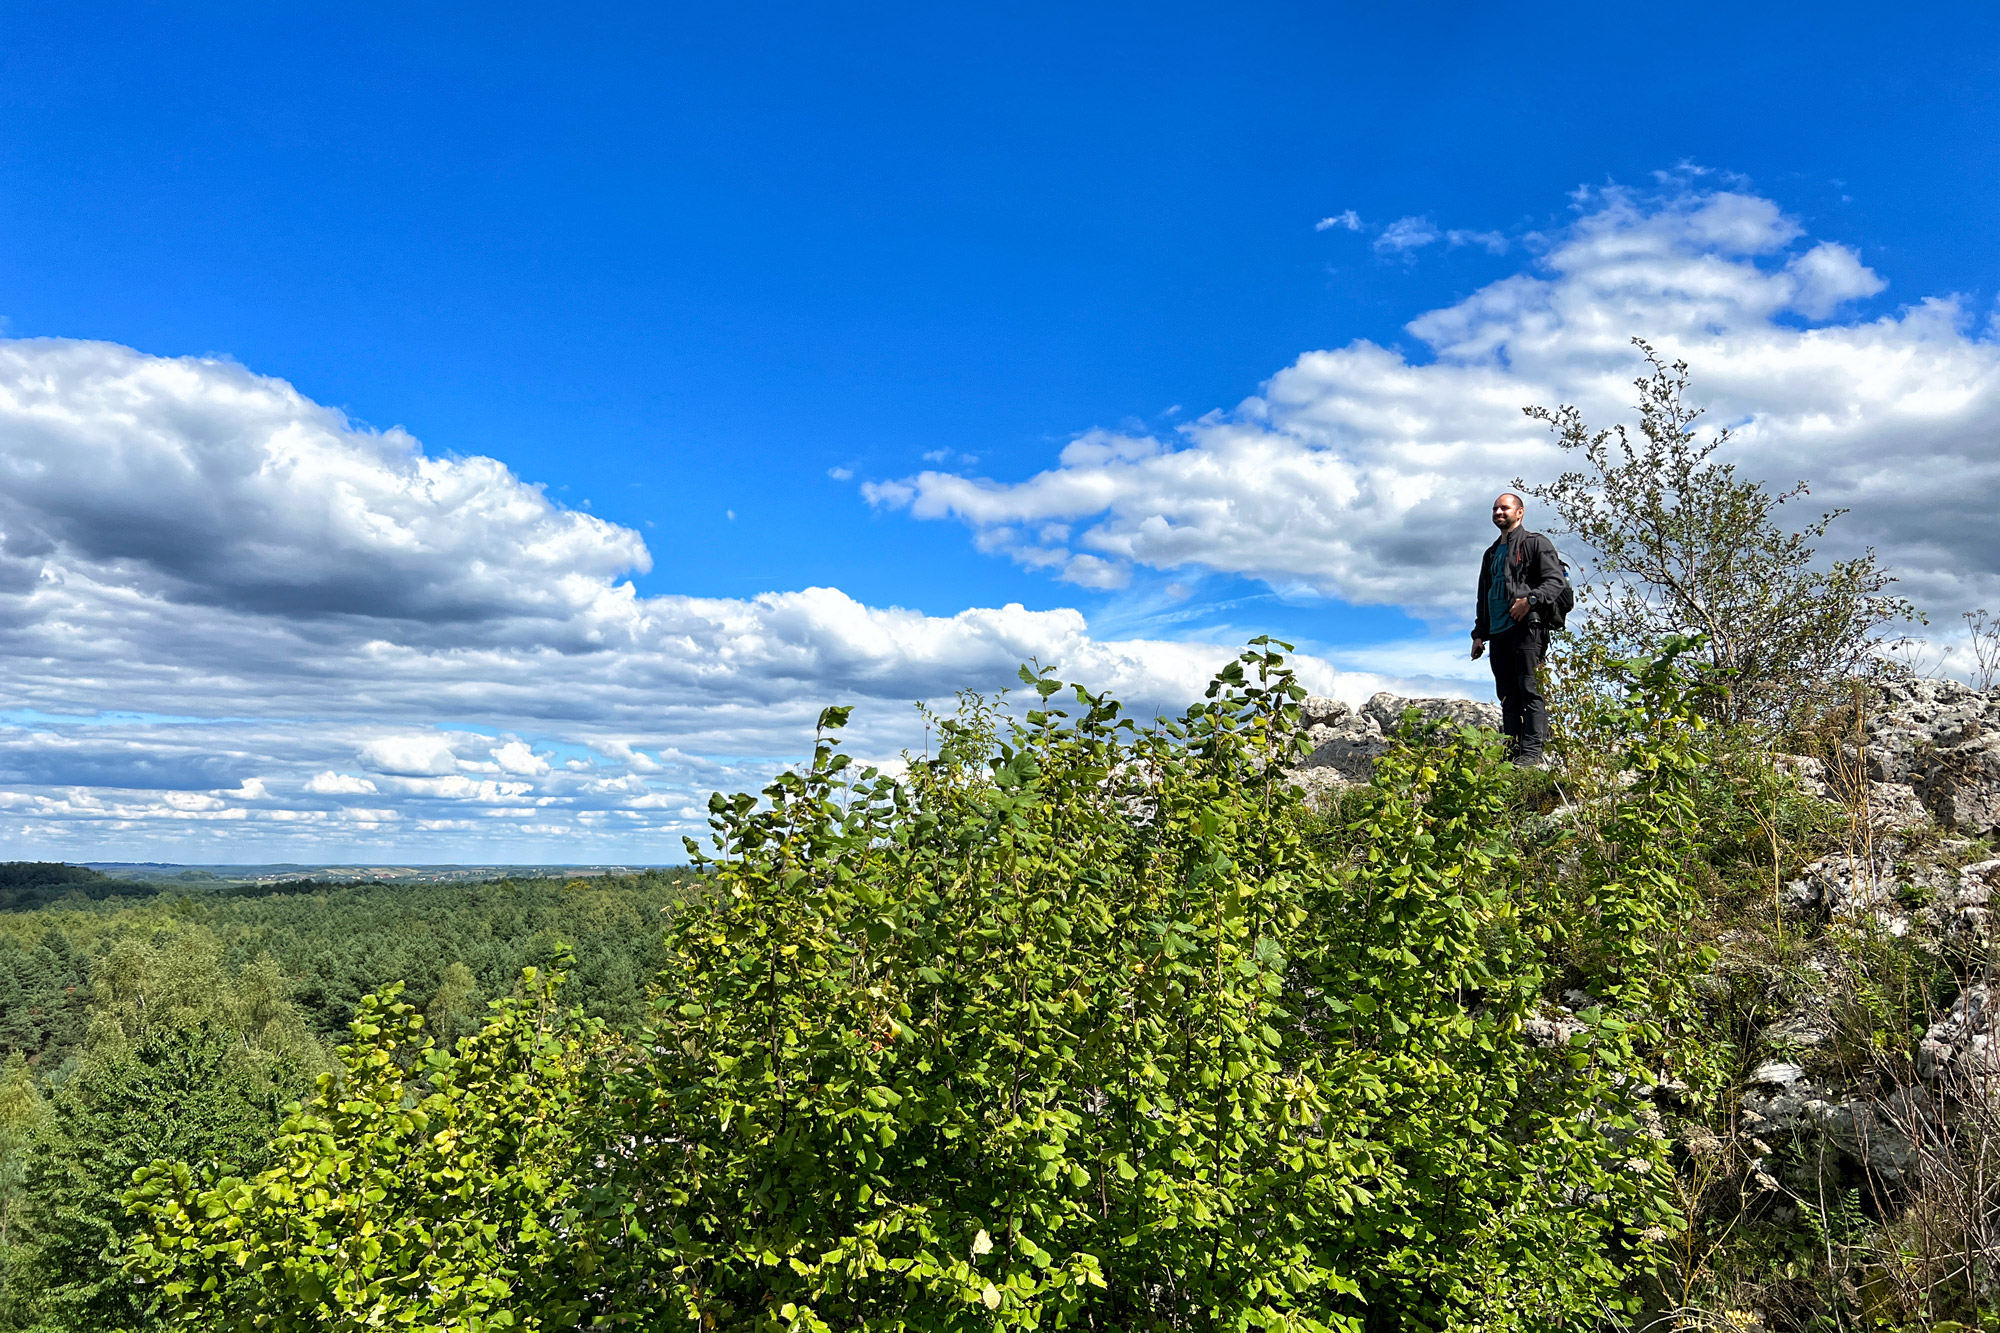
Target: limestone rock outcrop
[1930, 750]
[1782, 1101]
[1890, 805]
[1942, 739]
[1346, 741]
[1961, 1043]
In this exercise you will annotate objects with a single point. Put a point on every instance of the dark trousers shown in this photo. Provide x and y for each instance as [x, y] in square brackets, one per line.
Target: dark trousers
[1524, 717]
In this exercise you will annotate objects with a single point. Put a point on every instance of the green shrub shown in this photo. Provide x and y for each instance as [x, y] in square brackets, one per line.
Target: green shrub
[1075, 1022]
[422, 1189]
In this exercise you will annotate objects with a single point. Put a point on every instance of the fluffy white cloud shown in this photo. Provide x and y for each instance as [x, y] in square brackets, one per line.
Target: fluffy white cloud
[231, 616]
[1364, 472]
[1407, 234]
[196, 481]
[409, 755]
[516, 757]
[338, 784]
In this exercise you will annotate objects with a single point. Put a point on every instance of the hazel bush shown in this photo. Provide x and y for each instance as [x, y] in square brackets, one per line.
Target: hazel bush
[1073, 1022]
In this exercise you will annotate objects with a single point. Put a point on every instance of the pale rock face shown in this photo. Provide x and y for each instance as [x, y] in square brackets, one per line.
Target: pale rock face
[1891, 805]
[1852, 888]
[1320, 711]
[1551, 1031]
[1782, 1100]
[1897, 887]
[1942, 739]
[1346, 743]
[1961, 1043]
[1969, 905]
[1319, 784]
[1387, 710]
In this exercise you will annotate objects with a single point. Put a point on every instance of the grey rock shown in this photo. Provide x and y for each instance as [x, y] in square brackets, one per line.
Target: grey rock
[1782, 1073]
[1961, 1043]
[1810, 773]
[1872, 885]
[1345, 743]
[1806, 1026]
[1941, 739]
[1387, 710]
[1320, 785]
[1891, 805]
[1977, 882]
[1550, 1031]
[1349, 748]
[1963, 909]
[1320, 711]
[1895, 805]
[1854, 1127]
[1848, 886]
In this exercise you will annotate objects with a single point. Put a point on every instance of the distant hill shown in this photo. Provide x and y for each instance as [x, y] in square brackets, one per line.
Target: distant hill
[26, 885]
[169, 876]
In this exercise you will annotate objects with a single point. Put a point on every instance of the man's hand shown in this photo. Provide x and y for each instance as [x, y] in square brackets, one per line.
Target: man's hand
[1519, 610]
[1478, 649]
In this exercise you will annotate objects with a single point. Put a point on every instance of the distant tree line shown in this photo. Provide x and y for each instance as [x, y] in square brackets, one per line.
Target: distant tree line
[26, 885]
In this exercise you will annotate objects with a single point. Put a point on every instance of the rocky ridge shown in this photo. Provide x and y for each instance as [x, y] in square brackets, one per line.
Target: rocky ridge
[1930, 750]
[1923, 772]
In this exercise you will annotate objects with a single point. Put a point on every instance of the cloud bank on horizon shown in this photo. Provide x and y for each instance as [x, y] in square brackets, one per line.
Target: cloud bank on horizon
[236, 626]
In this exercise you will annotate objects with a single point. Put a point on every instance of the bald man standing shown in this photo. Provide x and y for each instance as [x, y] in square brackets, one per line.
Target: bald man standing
[1520, 577]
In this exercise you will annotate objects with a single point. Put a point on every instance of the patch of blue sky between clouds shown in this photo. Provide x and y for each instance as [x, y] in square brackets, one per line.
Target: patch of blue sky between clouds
[34, 717]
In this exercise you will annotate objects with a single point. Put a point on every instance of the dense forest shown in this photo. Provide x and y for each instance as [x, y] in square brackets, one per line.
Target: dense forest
[138, 1023]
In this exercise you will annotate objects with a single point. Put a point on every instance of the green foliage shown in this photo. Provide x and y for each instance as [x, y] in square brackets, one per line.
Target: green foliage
[1682, 545]
[1088, 1022]
[1640, 893]
[179, 1060]
[1076, 1022]
[454, 1011]
[420, 1187]
[30, 884]
[177, 1028]
[333, 944]
[177, 1093]
[24, 1113]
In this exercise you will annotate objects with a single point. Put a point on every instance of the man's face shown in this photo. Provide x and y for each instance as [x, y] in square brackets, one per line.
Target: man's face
[1506, 512]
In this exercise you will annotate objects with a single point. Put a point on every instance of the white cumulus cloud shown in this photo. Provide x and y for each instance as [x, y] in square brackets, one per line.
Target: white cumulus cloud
[1407, 234]
[338, 784]
[1364, 471]
[220, 599]
[409, 755]
[516, 757]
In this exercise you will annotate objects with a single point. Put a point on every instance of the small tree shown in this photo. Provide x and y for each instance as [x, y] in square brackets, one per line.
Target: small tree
[1683, 545]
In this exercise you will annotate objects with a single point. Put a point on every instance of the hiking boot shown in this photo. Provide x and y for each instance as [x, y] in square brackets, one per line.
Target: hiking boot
[1530, 759]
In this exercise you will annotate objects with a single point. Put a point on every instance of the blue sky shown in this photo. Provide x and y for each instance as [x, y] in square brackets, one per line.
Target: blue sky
[734, 279]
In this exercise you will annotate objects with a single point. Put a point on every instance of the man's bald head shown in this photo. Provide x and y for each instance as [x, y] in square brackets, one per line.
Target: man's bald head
[1508, 511]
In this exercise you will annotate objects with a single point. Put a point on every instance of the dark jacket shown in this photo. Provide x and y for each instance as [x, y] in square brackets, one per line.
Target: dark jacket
[1534, 571]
